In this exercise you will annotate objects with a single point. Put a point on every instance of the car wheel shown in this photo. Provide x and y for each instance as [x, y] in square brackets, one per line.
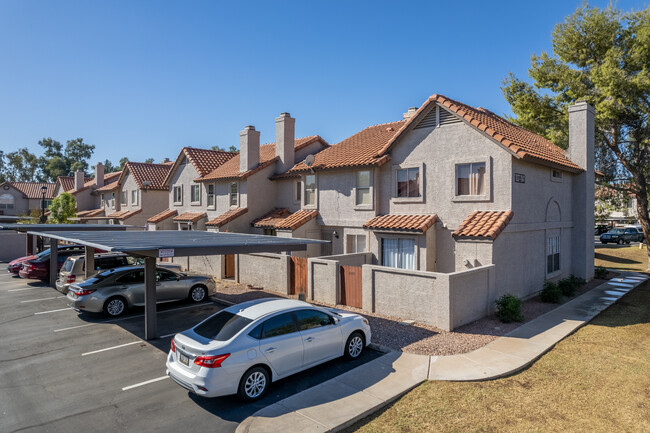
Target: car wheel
[354, 346]
[114, 307]
[198, 293]
[253, 384]
[620, 242]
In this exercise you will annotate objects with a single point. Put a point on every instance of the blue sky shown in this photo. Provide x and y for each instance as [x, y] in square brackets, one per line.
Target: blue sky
[143, 78]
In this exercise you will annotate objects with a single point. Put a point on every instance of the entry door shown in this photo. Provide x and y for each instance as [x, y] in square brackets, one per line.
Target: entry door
[230, 266]
[281, 344]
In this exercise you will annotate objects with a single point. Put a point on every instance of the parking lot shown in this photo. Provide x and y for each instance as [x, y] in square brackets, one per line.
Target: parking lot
[61, 371]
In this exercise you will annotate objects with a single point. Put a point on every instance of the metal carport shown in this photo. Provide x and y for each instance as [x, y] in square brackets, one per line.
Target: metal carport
[154, 244]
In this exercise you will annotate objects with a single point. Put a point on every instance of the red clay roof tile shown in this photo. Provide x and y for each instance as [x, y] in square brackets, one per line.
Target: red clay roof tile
[483, 225]
[124, 214]
[162, 216]
[91, 213]
[33, 189]
[226, 217]
[410, 223]
[282, 219]
[189, 217]
[144, 172]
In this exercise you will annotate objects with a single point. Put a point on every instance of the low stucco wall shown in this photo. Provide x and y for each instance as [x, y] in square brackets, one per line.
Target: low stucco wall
[14, 245]
[270, 271]
[211, 265]
[323, 280]
[353, 259]
[472, 295]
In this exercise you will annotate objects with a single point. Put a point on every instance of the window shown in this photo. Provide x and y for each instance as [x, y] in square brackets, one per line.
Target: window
[134, 197]
[195, 194]
[363, 188]
[48, 203]
[279, 325]
[408, 182]
[310, 190]
[222, 326]
[233, 194]
[210, 195]
[102, 196]
[113, 200]
[553, 254]
[165, 276]
[135, 277]
[178, 194]
[556, 175]
[310, 319]
[356, 243]
[124, 195]
[6, 201]
[470, 179]
[270, 232]
[398, 253]
[298, 191]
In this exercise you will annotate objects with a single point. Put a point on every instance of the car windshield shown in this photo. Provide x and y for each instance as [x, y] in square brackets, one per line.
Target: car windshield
[617, 231]
[222, 326]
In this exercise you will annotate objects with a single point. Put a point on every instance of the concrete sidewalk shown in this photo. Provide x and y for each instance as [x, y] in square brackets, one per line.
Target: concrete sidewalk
[341, 401]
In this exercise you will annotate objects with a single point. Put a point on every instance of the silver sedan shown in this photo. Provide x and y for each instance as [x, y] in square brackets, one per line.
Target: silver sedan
[115, 290]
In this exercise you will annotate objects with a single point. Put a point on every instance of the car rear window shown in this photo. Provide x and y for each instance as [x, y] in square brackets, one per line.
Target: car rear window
[67, 266]
[222, 326]
[617, 231]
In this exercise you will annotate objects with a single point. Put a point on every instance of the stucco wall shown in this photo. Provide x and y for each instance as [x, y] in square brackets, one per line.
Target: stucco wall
[14, 245]
[211, 265]
[254, 269]
[21, 205]
[471, 295]
[323, 281]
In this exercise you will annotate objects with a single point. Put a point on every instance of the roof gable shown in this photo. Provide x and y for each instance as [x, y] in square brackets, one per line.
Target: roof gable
[143, 172]
[33, 189]
[204, 161]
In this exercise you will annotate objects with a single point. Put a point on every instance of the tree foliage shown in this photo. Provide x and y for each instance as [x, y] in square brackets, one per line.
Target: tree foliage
[232, 149]
[601, 56]
[62, 209]
[21, 166]
[56, 161]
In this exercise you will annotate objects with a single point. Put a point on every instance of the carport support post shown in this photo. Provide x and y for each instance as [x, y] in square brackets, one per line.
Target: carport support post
[30, 245]
[54, 261]
[90, 261]
[150, 325]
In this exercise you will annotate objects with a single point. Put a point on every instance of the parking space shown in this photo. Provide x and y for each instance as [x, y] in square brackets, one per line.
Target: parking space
[62, 371]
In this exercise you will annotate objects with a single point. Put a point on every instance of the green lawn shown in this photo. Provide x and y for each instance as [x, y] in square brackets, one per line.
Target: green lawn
[626, 258]
[596, 380]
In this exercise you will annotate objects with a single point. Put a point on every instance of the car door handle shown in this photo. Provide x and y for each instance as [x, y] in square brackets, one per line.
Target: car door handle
[309, 339]
[270, 350]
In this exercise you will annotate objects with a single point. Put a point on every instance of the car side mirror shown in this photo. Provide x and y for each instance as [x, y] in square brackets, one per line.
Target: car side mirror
[335, 320]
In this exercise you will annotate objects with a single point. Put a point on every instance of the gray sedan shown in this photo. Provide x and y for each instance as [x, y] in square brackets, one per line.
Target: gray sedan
[115, 290]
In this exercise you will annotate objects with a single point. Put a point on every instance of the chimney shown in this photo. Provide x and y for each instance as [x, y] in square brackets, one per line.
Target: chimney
[581, 151]
[99, 175]
[285, 139]
[165, 161]
[410, 113]
[249, 148]
[79, 178]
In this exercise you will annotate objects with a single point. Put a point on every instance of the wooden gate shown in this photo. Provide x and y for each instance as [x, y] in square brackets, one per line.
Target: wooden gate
[298, 273]
[230, 266]
[351, 278]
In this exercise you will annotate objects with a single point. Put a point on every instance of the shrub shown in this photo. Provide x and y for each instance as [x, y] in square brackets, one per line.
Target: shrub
[600, 272]
[509, 309]
[569, 285]
[551, 293]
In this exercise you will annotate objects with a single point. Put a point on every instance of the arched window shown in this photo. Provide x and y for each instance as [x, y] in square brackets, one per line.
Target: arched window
[6, 201]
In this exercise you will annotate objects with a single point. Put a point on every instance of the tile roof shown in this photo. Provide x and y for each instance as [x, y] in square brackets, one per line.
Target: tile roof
[189, 217]
[90, 213]
[124, 214]
[108, 178]
[143, 172]
[67, 182]
[226, 217]
[358, 150]
[203, 160]
[521, 142]
[282, 219]
[410, 223]
[162, 216]
[230, 169]
[33, 189]
[112, 185]
[483, 225]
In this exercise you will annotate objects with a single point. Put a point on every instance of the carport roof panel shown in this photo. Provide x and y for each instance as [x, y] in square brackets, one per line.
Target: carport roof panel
[184, 243]
[63, 227]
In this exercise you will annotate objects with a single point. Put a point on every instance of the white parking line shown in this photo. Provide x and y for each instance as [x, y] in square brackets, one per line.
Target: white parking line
[126, 388]
[74, 327]
[20, 290]
[111, 348]
[42, 299]
[53, 311]
[168, 335]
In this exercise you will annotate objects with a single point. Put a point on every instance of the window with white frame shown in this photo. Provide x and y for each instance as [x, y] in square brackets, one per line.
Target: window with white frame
[178, 194]
[356, 244]
[310, 190]
[210, 195]
[124, 196]
[552, 254]
[556, 175]
[7, 201]
[233, 194]
[408, 182]
[134, 197]
[195, 194]
[297, 195]
[470, 179]
[113, 200]
[102, 197]
[363, 188]
[398, 253]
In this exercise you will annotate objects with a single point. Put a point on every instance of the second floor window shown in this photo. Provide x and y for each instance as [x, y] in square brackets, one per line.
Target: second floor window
[134, 197]
[210, 195]
[310, 190]
[298, 189]
[195, 192]
[233, 194]
[178, 194]
[124, 197]
[470, 179]
[363, 187]
[113, 200]
[408, 182]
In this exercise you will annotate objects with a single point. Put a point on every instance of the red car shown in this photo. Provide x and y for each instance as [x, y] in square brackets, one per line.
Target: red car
[38, 267]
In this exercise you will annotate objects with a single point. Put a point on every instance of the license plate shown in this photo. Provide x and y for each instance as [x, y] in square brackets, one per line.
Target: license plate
[183, 359]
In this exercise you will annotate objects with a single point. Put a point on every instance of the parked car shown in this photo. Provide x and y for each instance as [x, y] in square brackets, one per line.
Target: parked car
[115, 290]
[602, 228]
[622, 235]
[39, 267]
[14, 266]
[243, 348]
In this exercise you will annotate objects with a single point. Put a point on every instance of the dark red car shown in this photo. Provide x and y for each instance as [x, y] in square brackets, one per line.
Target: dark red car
[38, 267]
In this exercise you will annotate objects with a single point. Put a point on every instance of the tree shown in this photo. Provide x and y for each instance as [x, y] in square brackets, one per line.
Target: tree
[56, 162]
[22, 166]
[62, 208]
[232, 149]
[601, 56]
[148, 161]
[3, 167]
[123, 162]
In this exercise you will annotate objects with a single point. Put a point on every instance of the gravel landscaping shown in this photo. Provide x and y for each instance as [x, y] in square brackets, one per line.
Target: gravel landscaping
[418, 338]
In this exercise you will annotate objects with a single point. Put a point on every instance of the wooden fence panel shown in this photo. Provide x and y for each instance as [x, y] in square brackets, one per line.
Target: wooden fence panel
[298, 273]
[351, 282]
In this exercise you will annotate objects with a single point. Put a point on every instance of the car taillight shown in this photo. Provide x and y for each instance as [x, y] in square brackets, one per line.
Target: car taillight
[27, 267]
[173, 346]
[211, 361]
[84, 292]
[71, 279]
